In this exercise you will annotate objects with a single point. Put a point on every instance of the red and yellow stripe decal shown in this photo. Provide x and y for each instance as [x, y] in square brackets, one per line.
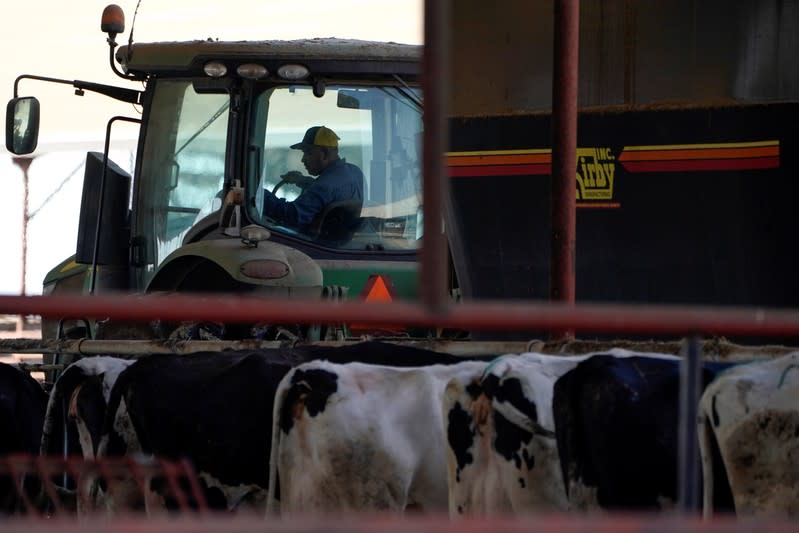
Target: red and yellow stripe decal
[701, 157]
[500, 163]
[635, 159]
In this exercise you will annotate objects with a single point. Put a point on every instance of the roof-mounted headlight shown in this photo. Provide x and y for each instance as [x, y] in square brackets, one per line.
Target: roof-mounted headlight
[252, 71]
[293, 72]
[215, 69]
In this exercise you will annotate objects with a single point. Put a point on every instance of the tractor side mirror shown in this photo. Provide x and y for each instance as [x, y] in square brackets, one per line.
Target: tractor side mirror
[22, 125]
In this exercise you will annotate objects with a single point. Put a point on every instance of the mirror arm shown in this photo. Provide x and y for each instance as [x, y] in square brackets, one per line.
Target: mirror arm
[131, 96]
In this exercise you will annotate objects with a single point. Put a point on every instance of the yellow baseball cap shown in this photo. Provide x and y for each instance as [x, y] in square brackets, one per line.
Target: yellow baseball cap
[318, 136]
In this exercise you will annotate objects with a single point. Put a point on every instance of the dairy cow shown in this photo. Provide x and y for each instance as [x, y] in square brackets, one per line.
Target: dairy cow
[616, 424]
[360, 437]
[74, 418]
[501, 450]
[551, 433]
[81, 393]
[22, 406]
[750, 414]
[216, 410]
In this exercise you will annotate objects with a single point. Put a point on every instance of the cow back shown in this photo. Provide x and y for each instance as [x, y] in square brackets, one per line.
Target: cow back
[213, 408]
[22, 406]
[380, 353]
[616, 423]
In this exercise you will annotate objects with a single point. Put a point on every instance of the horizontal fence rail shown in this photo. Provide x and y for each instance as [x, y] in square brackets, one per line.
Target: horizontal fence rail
[426, 524]
[712, 349]
[134, 348]
[484, 315]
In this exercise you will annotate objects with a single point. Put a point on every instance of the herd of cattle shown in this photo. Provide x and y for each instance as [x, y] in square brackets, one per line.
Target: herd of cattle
[382, 427]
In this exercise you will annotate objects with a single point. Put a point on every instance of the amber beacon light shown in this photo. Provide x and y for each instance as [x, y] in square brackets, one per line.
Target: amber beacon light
[113, 21]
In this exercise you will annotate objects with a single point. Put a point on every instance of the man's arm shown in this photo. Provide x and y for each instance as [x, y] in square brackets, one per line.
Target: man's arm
[300, 212]
[297, 178]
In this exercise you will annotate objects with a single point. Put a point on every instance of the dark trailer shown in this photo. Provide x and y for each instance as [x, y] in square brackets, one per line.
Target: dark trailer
[688, 123]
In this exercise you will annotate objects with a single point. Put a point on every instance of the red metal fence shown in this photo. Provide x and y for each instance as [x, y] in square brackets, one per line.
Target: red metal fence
[415, 524]
[483, 315]
[624, 319]
[41, 483]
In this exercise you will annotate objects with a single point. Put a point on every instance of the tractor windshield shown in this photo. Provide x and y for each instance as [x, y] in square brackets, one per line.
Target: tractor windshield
[182, 168]
[379, 132]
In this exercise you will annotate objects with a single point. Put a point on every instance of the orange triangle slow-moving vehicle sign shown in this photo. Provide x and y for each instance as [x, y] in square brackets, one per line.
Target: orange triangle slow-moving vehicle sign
[378, 288]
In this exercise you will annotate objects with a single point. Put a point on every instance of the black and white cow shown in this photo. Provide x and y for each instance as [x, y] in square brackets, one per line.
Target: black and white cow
[361, 437]
[81, 393]
[501, 450]
[216, 410]
[213, 408]
[616, 423]
[22, 406]
[553, 433]
[74, 418]
[751, 414]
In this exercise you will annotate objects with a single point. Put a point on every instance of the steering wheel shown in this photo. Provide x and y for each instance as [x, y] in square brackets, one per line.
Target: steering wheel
[297, 179]
[278, 185]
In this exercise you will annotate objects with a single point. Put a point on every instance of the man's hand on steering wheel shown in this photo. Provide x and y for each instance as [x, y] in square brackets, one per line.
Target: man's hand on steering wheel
[294, 177]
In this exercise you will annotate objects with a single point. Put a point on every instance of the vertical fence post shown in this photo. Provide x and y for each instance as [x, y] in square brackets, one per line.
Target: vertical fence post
[564, 152]
[690, 387]
[435, 84]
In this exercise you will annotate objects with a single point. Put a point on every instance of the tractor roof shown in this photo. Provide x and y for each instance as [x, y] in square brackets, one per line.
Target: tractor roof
[321, 56]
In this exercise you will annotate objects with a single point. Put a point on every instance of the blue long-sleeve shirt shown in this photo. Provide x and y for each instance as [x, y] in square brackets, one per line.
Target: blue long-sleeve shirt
[338, 181]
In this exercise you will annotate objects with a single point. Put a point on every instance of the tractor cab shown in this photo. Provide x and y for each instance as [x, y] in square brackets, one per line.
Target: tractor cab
[217, 124]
